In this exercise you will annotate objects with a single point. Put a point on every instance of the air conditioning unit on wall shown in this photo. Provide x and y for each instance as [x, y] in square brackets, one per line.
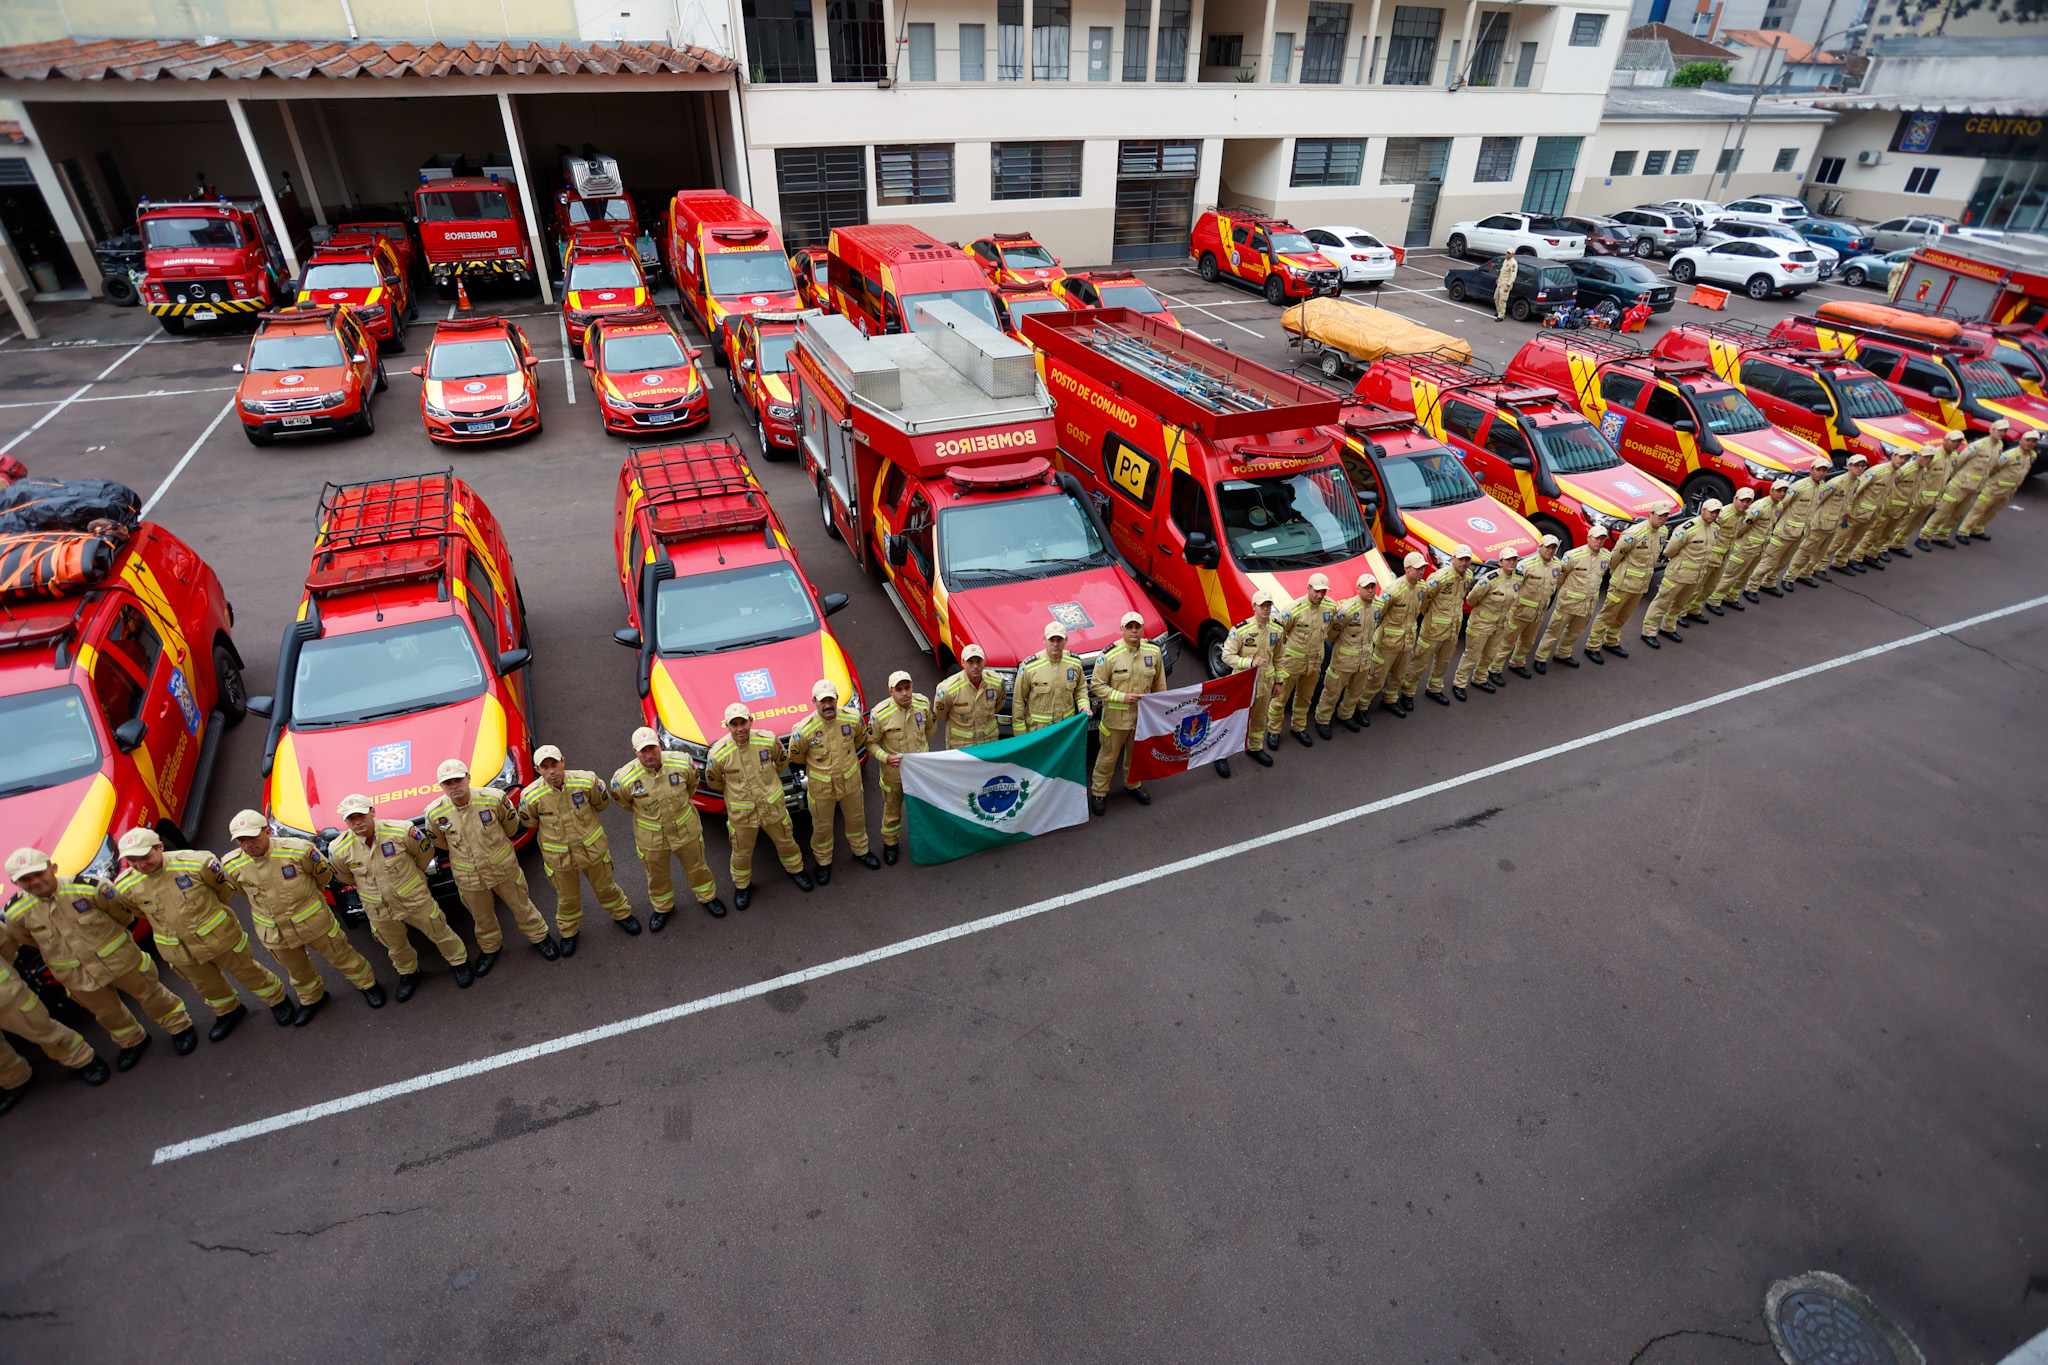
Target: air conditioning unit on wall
[1869, 158]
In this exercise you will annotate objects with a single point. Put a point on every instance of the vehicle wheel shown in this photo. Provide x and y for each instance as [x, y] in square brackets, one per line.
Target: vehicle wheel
[1551, 526]
[1854, 276]
[1518, 309]
[1759, 287]
[412, 308]
[119, 290]
[1207, 269]
[366, 421]
[1525, 251]
[1684, 271]
[1703, 486]
[1276, 291]
[825, 510]
[259, 438]
[768, 452]
[1213, 637]
[1794, 293]
[1645, 248]
[1456, 245]
[383, 380]
[396, 346]
[230, 696]
[1333, 365]
[171, 323]
[1456, 289]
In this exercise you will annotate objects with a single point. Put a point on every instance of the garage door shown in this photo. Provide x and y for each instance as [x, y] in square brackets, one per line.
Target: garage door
[1155, 199]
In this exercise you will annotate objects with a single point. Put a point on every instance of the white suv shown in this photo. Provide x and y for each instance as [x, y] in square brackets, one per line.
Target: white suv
[1704, 211]
[1363, 258]
[1764, 210]
[1732, 229]
[1522, 234]
[1759, 266]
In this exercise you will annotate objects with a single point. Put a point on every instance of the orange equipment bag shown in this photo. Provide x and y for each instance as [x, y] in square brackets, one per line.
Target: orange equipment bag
[1860, 314]
[52, 563]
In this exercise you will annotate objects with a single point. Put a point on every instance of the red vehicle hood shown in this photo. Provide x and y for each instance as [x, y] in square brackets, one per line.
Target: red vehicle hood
[1622, 491]
[774, 680]
[648, 385]
[293, 383]
[1343, 577]
[1482, 523]
[482, 394]
[70, 821]
[189, 263]
[1905, 432]
[2023, 411]
[1008, 619]
[1776, 447]
[1309, 260]
[390, 761]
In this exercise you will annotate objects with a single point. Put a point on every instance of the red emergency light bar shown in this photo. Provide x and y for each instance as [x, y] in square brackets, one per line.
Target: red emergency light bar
[375, 572]
[988, 478]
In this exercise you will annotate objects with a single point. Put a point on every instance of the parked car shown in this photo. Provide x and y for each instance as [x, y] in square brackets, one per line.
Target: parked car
[1701, 211]
[1868, 268]
[1604, 236]
[1524, 234]
[1626, 282]
[1660, 230]
[1362, 257]
[809, 267]
[1266, 253]
[1015, 260]
[1844, 239]
[1733, 230]
[1111, 289]
[477, 384]
[1759, 266]
[602, 279]
[308, 369]
[1763, 208]
[642, 375]
[1537, 288]
[1913, 230]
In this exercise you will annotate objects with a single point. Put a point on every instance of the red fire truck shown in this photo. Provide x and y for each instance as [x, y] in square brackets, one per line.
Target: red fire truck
[881, 272]
[593, 207]
[725, 259]
[206, 259]
[932, 455]
[470, 227]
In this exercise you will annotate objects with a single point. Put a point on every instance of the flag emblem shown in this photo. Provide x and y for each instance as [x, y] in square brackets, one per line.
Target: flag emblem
[999, 799]
[1189, 734]
[754, 684]
[390, 760]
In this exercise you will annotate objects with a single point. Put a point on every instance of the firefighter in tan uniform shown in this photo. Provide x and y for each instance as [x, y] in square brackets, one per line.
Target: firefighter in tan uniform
[1905, 495]
[184, 895]
[1749, 544]
[746, 768]
[1128, 668]
[1441, 608]
[1578, 588]
[1685, 561]
[1255, 643]
[81, 929]
[1811, 563]
[282, 878]
[2008, 472]
[1728, 528]
[656, 788]
[475, 829]
[1393, 639]
[1050, 687]
[1788, 532]
[1973, 466]
[23, 1015]
[828, 744]
[1535, 585]
[563, 808]
[1304, 628]
[900, 723]
[1351, 628]
[967, 704]
[1488, 602]
[1940, 470]
[1873, 494]
[386, 862]
[1629, 570]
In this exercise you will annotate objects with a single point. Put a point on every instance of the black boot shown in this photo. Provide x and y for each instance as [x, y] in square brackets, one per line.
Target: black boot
[10, 1098]
[823, 876]
[1541, 667]
[1617, 651]
[1261, 757]
[630, 924]
[94, 1072]
[889, 854]
[1752, 596]
[547, 949]
[1301, 738]
[1322, 729]
[1459, 692]
[715, 908]
[1922, 543]
[1771, 590]
[742, 897]
[484, 963]
[803, 881]
[303, 1015]
[1520, 670]
[225, 1024]
[1715, 608]
[1222, 767]
[282, 1014]
[184, 1043]
[131, 1055]
[1355, 723]
[1674, 637]
[1140, 795]
[1595, 655]
[869, 861]
[408, 982]
[1439, 698]
[1486, 686]
[1095, 806]
[374, 996]
[657, 921]
[466, 975]
[1901, 552]
[569, 944]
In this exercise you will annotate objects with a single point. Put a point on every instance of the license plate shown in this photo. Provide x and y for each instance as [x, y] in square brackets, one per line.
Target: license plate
[474, 427]
[203, 315]
[660, 419]
[296, 422]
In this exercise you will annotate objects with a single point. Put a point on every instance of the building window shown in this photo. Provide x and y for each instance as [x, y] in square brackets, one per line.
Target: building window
[1415, 160]
[1035, 170]
[1411, 55]
[859, 43]
[918, 174]
[1137, 37]
[1171, 61]
[1328, 161]
[1624, 164]
[1731, 160]
[1829, 172]
[1487, 48]
[973, 52]
[821, 188]
[1009, 40]
[1329, 31]
[1683, 162]
[1525, 65]
[924, 52]
[1653, 162]
[1786, 156]
[1052, 38]
[1921, 179]
[780, 50]
[1588, 29]
[1283, 57]
[1224, 49]
[1497, 159]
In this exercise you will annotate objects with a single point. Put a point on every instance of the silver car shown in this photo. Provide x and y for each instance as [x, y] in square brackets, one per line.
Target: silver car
[1896, 233]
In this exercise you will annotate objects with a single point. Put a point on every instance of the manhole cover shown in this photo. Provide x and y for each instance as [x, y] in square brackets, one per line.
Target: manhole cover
[1822, 1319]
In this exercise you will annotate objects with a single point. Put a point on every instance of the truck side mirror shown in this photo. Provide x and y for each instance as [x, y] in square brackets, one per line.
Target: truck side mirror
[1524, 462]
[627, 636]
[419, 372]
[358, 358]
[747, 364]
[129, 734]
[1201, 550]
[262, 704]
[834, 602]
[897, 549]
[512, 660]
[1823, 407]
[1686, 424]
[236, 368]
[1942, 391]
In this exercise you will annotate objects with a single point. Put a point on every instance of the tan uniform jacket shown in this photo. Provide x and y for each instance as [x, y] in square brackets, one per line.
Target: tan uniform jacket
[186, 903]
[570, 833]
[1351, 631]
[1048, 692]
[1121, 674]
[1634, 557]
[1489, 600]
[1535, 585]
[1763, 516]
[1938, 473]
[749, 778]
[1874, 493]
[894, 729]
[478, 836]
[829, 752]
[1685, 553]
[664, 816]
[1834, 502]
[1303, 629]
[1973, 462]
[967, 712]
[2008, 471]
[1578, 579]
[1249, 644]
[1441, 603]
[1400, 609]
[1906, 487]
[82, 933]
[283, 889]
[1797, 511]
[389, 871]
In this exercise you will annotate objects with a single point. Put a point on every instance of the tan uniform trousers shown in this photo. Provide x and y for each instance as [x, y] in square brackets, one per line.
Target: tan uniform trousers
[1613, 615]
[1710, 573]
[1264, 705]
[480, 898]
[1521, 639]
[214, 978]
[1942, 518]
[1734, 573]
[1842, 547]
[1667, 606]
[568, 884]
[1989, 504]
[744, 829]
[1877, 535]
[1774, 561]
[335, 947]
[31, 1021]
[661, 891]
[146, 990]
[431, 922]
[1910, 526]
[1342, 691]
[1389, 667]
[1483, 649]
[845, 795]
[1297, 690]
[1563, 630]
[1813, 554]
[1431, 659]
[1115, 753]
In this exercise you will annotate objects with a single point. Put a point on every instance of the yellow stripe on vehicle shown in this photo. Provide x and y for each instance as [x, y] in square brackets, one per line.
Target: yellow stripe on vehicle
[489, 755]
[674, 713]
[80, 842]
[287, 788]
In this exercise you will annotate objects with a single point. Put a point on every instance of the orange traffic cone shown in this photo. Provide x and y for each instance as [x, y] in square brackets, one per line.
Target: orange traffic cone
[461, 294]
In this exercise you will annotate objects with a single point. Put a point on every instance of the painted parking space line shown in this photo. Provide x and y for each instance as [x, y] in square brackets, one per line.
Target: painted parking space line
[186, 458]
[568, 358]
[75, 396]
[123, 397]
[1433, 297]
[1204, 310]
[1148, 878]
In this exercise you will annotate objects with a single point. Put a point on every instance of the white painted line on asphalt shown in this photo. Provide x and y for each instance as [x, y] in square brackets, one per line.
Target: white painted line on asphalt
[568, 359]
[177, 1151]
[1431, 294]
[451, 310]
[76, 395]
[186, 459]
[120, 397]
[1203, 309]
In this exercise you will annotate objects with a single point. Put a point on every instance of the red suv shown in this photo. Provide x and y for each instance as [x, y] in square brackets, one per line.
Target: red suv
[1267, 253]
[308, 369]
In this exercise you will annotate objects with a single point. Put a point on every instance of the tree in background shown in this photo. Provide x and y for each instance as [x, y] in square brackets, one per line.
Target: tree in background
[1696, 74]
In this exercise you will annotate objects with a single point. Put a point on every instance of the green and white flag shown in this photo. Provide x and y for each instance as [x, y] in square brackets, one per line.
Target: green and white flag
[961, 801]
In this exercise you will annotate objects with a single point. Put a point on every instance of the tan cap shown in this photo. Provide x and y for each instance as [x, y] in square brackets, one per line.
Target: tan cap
[2001, 425]
[1131, 618]
[823, 688]
[247, 824]
[1415, 560]
[1511, 553]
[901, 675]
[546, 752]
[1551, 541]
[138, 841]
[1782, 486]
[737, 711]
[451, 767]
[1262, 597]
[354, 805]
[1319, 580]
[1823, 465]
[645, 736]
[2031, 434]
[1368, 580]
[1055, 631]
[1711, 505]
[1594, 528]
[973, 652]
[1955, 435]
[1661, 505]
[25, 860]
[1744, 493]
[1859, 459]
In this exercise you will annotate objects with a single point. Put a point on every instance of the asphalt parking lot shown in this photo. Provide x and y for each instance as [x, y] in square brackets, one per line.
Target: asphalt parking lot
[1562, 1058]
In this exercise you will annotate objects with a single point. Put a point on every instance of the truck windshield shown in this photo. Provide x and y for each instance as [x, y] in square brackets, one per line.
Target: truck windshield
[1726, 411]
[979, 302]
[463, 206]
[391, 671]
[603, 275]
[1292, 521]
[1135, 297]
[1418, 480]
[648, 351]
[1574, 448]
[45, 738]
[314, 352]
[1024, 308]
[600, 211]
[471, 359]
[340, 275]
[1292, 243]
[204, 234]
[733, 609]
[1989, 379]
[747, 272]
[1016, 540]
[1032, 257]
[1865, 396]
[776, 348]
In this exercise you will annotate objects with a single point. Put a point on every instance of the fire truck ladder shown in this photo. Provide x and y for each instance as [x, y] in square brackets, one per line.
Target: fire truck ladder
[1191, 381]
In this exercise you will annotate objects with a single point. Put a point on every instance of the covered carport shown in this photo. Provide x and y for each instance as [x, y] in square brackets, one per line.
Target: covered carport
[323, 131]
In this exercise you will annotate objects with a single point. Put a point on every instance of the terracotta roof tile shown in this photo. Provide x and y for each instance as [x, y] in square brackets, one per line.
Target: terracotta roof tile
[189, 59]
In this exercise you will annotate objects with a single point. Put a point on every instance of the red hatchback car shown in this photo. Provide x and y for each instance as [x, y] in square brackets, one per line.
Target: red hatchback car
[478, 382]
[644, 378]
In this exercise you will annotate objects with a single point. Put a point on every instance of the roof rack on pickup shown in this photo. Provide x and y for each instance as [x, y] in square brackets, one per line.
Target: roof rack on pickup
[1890, 336]
[1613, 350]
[1751, 336]
[356, 518]
[697, 488]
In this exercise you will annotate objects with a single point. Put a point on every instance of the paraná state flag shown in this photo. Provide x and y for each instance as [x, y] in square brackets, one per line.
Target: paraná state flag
[1188, 726]
[961, 801]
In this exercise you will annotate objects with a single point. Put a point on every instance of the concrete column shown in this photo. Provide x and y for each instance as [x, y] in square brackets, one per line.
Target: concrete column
[736, 127]
[291, 130]
[1465, 43]
[1151, 46]
[15, 306]
[348, 199]
[518, 149]
[1193, 64]
[1262, 72]
[59, 203]
[1372, 37]
[256, 167]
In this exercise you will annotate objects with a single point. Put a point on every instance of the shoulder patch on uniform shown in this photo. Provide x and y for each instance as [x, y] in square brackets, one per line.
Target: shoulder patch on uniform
[389, 849]
[576, 798]
[184, 882]
[82, 904]
[289, 871]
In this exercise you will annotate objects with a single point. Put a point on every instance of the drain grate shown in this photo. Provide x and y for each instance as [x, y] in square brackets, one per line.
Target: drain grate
[1822, 1319]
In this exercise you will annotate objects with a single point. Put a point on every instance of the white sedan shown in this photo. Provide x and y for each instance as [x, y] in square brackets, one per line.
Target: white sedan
[1363, 258]
[1520, 234]
[1759, 266]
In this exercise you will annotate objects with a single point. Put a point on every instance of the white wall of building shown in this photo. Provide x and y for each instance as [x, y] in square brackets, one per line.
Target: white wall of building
[1603, 192]
[1878, 191]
